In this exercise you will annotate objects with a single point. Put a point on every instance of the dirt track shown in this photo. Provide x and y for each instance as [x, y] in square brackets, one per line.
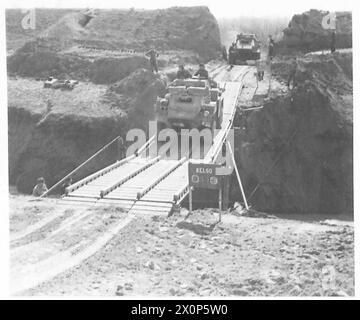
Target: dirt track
[241, 256]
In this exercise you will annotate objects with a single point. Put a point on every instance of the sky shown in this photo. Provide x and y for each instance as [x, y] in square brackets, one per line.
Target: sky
[220, 8]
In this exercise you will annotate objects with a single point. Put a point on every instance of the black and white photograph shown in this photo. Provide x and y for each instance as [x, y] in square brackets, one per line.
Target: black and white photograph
[178, 150]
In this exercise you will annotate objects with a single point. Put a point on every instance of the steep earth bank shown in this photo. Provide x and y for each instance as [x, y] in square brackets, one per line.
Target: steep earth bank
[297, 151]
[52, 131]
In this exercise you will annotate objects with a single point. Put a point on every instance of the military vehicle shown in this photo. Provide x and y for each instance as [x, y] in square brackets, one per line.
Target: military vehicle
[68, 84]
[53, 83]
[190, 103]
[50, 82]
[245, 48]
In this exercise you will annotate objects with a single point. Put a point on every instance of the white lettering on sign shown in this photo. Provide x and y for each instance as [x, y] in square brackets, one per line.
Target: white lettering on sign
[204, 170]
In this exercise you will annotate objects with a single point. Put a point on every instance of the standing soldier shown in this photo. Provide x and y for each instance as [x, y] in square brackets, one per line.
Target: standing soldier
[232, 49]
[224, 53]
[333, 41]
[271, 47]
[121, 148]
[153, 55]
[260, 70]
[292, 75]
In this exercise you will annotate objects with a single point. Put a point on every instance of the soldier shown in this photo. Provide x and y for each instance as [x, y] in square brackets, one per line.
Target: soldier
[182, 73]
[260, 70]
[121, 148]
[224, 53]
[333, 42]
[67, 183]
[40, 187]
[271, 47]
[153, 55]
[201, 72]
[292, 75]
[232, 49]
[238, 37]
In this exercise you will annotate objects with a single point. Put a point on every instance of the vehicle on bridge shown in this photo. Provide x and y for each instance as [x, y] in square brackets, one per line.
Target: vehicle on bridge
[190, 103]
[246, 47]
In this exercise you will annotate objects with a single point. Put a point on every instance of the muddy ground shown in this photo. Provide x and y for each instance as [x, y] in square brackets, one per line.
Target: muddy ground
[159, 256]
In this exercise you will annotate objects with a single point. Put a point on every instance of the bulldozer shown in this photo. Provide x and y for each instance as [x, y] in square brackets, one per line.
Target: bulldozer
[190, 103]
[245, 48]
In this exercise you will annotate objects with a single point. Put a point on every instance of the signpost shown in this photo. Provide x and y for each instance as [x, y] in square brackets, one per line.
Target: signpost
[203, 175]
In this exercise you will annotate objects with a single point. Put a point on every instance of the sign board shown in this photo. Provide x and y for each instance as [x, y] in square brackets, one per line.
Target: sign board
[203, 175]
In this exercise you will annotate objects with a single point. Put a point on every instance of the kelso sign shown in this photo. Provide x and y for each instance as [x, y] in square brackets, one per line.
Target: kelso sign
[203, 175]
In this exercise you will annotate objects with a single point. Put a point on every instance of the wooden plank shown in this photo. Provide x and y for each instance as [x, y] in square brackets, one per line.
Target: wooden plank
[126, 178]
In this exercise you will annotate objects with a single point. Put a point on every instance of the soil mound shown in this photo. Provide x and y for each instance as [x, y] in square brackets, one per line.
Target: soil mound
[137, 94]
[177, 28]
[111, 45]
[305, 32]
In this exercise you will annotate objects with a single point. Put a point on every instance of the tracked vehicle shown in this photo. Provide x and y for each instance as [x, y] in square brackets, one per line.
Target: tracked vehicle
[245, 48]
[190, 103]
